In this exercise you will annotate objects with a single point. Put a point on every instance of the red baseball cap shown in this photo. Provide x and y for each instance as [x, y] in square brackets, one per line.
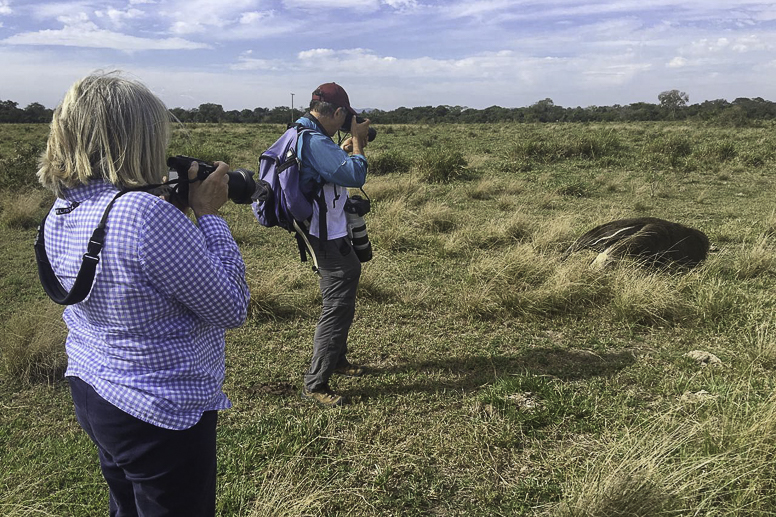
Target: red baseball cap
[334, 94]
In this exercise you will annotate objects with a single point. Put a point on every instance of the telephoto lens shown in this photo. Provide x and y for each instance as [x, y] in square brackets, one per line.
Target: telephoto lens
[243, 189]
[359, 237]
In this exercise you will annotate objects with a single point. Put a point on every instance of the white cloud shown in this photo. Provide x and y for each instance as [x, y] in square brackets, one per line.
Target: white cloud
[86, 34]
[118, 16]
[401, 5]
[74, 19]
[5, 7]
[315, 5]
[316, 53]
[677, 62]
[247, 62]
[253, 17]
[53, 10]
[205, 17]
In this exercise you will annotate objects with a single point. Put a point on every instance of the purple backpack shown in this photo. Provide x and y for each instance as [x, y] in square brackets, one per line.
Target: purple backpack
[287, 206]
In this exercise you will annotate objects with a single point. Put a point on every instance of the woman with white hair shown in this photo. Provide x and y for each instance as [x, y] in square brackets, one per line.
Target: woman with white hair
[146, 346]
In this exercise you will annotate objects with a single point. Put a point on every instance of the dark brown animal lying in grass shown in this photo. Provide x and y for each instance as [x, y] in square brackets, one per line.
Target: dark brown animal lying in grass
[650, 240]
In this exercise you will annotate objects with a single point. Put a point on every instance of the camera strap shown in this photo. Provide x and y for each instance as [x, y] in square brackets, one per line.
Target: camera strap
[85, 278]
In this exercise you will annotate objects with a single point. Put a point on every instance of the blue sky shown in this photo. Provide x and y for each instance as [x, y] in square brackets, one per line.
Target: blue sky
[392, 53]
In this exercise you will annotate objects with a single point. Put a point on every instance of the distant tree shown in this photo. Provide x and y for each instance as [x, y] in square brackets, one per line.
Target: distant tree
[642, 111]
[709, 110]
[181, 114]
[232, 116]
[757, 108]
[279, 115]
[260, 114]
[246, 116]
[37, 113]
[9, 112]
[542, 111]
[211, 113]
[673, 100]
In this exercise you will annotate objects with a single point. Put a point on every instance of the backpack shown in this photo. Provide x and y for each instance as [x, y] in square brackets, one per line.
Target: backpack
[287, 206]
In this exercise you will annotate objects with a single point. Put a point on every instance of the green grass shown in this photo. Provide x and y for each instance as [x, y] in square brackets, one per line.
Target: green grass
[506, 380]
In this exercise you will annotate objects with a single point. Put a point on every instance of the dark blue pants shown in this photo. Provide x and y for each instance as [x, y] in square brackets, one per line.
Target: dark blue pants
[151, 471]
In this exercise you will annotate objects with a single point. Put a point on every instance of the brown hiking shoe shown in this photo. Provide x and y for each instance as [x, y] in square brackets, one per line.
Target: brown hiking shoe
[324, 397]
[350, 370]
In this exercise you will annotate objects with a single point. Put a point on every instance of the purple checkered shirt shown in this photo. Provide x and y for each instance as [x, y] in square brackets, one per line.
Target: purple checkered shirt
[149, 338]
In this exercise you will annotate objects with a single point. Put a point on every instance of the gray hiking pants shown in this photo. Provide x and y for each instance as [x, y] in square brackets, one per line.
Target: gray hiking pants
[340, 271]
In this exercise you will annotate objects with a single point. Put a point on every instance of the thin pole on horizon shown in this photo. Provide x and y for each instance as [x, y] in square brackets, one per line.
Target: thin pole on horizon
[292, 108]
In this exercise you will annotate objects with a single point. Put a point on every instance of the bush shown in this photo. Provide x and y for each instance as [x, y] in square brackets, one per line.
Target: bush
[592, 146]
[388, 162]
[18, 171]
[441, 166]
[668, 149]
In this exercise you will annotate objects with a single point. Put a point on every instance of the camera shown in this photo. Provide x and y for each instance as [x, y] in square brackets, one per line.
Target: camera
[346, 126]
[243, 189]
[355, 209]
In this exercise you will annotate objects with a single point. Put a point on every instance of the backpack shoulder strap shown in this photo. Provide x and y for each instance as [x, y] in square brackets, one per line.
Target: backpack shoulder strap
[85, 278]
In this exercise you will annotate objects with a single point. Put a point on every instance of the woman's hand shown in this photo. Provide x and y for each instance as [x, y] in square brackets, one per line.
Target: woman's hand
[208, 196]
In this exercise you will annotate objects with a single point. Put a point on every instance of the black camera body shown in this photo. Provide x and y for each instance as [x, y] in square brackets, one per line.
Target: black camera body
[243, 189]
[348, 120]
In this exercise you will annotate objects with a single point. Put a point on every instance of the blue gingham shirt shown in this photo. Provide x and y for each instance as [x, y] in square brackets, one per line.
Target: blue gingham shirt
[150, 336]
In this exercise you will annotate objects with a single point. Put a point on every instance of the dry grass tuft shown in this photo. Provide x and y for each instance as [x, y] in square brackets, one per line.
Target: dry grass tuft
[555, 235]
[684, 464]
[386, 189]
[33, 345]
[489, 187]
[505, 231]
[287, 291]
[754, 260]
[437, 217]
[22, 210]
[647, 297]
[395, 228]
[290, 489]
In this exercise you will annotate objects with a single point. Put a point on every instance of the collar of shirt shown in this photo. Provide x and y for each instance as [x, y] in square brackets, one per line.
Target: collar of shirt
[81, 193]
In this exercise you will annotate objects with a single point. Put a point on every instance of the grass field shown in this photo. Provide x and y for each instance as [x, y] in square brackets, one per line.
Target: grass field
[504, 380]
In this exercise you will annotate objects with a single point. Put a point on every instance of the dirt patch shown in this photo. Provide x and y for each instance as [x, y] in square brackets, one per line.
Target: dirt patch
[280, 389]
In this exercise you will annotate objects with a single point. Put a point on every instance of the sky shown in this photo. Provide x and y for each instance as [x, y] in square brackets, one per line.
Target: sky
[392, 53]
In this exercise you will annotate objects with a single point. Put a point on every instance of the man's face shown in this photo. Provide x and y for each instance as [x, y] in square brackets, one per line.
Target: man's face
[340, 115]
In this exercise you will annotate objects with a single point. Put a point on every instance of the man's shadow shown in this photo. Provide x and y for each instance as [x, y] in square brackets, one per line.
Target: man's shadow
[472, 373]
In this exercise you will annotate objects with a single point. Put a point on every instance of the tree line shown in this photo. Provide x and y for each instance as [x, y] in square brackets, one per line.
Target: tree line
[672, 105]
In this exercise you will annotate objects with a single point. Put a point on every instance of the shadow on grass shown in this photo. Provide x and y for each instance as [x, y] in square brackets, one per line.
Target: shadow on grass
[472, 373]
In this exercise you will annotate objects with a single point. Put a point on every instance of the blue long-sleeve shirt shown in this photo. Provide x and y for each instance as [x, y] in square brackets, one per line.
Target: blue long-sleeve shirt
[323, 161]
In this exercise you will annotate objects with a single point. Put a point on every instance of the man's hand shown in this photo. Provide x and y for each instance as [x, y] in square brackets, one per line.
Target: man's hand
[347, 145]
[359, 134]
[206, 197]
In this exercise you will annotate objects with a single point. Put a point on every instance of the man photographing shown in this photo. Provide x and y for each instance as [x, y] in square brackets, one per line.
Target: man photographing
[326, 166]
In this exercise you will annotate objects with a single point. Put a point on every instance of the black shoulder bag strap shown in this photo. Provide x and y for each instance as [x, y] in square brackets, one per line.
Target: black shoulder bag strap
[85, 278]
